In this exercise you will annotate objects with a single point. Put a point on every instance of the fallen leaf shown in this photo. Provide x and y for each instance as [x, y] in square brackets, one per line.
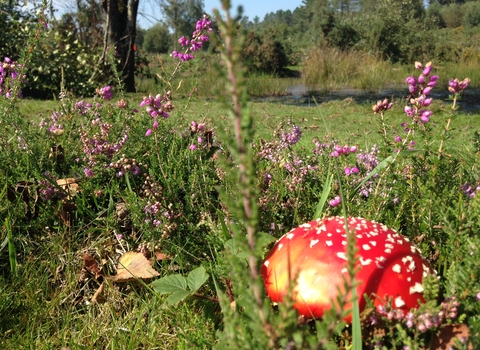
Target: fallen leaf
[161, 256]
[98, 296]
[445, 339]
[69, 185]
[91, 265]
[133, 265]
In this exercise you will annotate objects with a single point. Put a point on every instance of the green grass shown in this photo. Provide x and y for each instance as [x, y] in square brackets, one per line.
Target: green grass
[46, 305]
[47, 301]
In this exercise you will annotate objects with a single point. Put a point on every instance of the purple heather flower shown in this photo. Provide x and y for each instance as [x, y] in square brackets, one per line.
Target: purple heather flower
[183, 41]
[456, 86]
[398, 139]
[105, 93]
[427, 90]
[192, 147]
[411, 80]
[428, 68]
[88, 172]
[336, 201]
[148, 133]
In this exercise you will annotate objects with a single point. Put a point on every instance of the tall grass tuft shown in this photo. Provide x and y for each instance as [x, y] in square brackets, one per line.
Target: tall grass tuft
[329, 68]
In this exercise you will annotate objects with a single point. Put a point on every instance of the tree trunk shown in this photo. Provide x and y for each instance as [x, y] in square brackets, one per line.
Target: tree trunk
[129, 67]
[120, 32]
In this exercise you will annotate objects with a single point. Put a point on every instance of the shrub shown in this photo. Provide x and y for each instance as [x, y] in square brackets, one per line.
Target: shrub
[263, 54]
[471, 17]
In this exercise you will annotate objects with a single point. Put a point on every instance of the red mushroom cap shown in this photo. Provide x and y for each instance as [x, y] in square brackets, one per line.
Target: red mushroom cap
[389, 266]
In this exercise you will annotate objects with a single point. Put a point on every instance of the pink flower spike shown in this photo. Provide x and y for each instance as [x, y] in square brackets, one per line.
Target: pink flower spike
[353, 149]
[347, 171]
[155, 124]
[355, 170]
[421, 79]
[148, 133]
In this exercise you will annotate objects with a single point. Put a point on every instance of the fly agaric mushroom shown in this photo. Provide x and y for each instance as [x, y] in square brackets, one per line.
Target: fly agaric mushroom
[389, 266]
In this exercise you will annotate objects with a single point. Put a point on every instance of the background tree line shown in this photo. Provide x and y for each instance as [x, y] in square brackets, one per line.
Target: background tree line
[74, 45]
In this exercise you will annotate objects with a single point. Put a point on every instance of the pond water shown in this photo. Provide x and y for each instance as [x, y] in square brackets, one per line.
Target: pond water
[302, 95]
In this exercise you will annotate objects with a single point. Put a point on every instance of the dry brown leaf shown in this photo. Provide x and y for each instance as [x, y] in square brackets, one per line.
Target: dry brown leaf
[445, 339]
[91, 265]
[133, 265]
[161, 256]
[98, 297]
[69, 185]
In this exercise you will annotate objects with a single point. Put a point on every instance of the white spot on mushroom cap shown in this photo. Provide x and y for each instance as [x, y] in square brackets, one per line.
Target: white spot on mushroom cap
[389, 245]
[329, 243]
[344, 270]
[417, 288]
[280, 246]
[365, 262]
[306, 225]
[366, 247]
[344, 242]
[397, 268]
[374, 243]
[342, 255]
[313, 242]
[266, 263]
[290, 235]
[399, 302]
[388, 251]
[411, 266]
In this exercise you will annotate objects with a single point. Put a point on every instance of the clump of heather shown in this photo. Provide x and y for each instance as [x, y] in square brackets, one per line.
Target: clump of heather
[470, 190]
[202, 136]
[9, 75]
[53, 125]
[98, 149]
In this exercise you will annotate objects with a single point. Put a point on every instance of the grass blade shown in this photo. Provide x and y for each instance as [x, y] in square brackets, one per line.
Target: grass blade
[323, 199]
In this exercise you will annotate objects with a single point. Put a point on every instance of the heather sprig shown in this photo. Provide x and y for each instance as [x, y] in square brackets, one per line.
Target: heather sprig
[157, 106]
[9, 75]
[199, 37]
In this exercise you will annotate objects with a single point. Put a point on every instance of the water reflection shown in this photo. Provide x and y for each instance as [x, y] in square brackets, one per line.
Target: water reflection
[302, 95]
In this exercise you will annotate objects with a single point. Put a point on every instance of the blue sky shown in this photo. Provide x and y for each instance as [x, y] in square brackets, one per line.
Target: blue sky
[251, 8]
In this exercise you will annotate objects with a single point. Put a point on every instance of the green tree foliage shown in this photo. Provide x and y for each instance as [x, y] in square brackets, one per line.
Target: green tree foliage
[452, 15]
[15, 26]
[472, 14]
[157, 39]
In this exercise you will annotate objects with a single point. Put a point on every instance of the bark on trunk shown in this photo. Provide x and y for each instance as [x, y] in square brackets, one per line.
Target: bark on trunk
[120, 32]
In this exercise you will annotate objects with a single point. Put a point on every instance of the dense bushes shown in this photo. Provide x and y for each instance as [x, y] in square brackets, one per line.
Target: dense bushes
[263, 54]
